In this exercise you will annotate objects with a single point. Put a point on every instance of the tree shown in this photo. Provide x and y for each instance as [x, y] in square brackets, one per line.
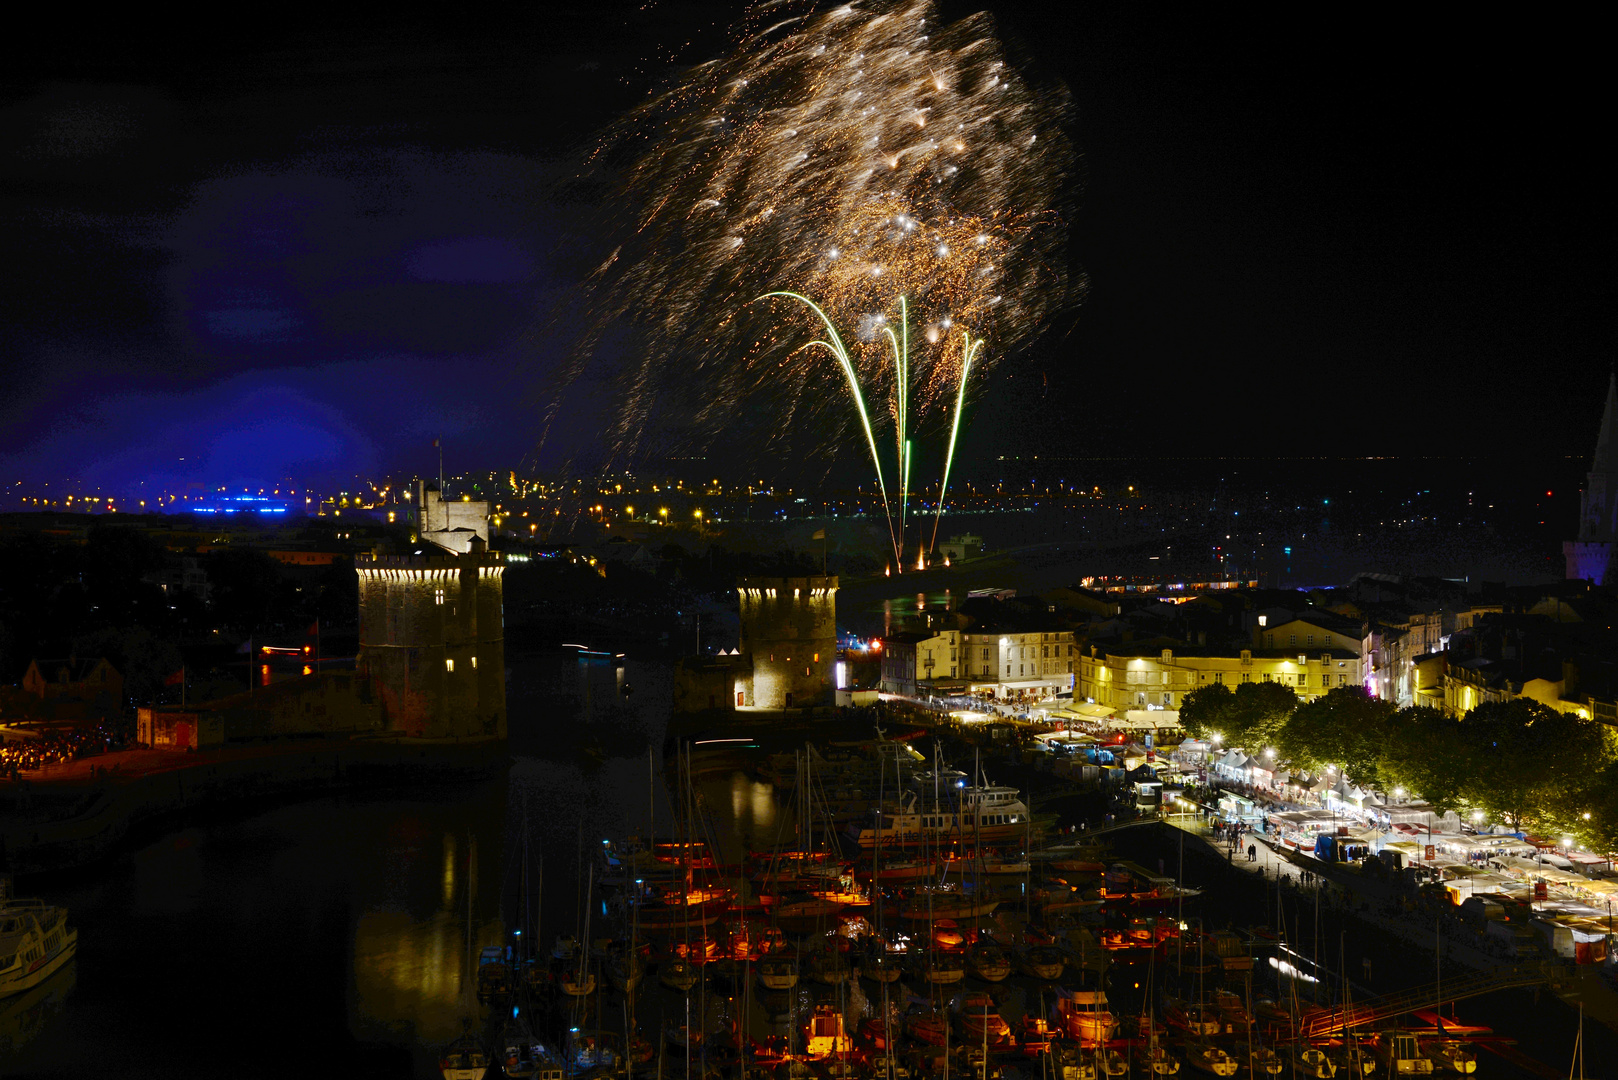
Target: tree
[1206, 711]
[1528, 761]
[1347, 727]
[1520, 762]
[1261, 711]
[1598, 799]
[1427, 754]
[1250, 717]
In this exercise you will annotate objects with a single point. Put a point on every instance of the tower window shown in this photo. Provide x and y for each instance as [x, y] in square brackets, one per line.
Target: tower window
[449, 664]
[474, 663]
[438, 596]
[817, 658]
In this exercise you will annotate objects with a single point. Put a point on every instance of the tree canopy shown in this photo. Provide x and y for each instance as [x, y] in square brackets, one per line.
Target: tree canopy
[1252, 717]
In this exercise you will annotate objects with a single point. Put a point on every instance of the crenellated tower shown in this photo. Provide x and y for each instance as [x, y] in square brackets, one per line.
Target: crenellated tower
[432, 640]
[789, 637]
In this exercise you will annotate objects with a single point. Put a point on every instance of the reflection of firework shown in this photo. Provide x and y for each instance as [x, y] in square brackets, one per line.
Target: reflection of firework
[855, 155]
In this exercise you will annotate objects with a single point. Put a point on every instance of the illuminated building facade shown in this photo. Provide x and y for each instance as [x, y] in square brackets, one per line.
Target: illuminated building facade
[450, 523]
[1160, 678]
[1589, 558]
[910, 661]
[432, 640]
[1019, 666]
[788, 641]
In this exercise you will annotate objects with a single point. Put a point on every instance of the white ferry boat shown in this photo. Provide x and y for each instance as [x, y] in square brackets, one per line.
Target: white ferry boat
[35, 941]
[987, 815]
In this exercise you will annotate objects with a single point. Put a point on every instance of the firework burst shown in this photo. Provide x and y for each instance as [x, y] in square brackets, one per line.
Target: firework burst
[855, 155]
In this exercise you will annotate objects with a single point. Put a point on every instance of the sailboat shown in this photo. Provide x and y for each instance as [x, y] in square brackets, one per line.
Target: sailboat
[522, 1055]
[464, 1058]
[1210, 1059]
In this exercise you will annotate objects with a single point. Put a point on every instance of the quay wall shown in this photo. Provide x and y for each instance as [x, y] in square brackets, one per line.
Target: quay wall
[121, 804]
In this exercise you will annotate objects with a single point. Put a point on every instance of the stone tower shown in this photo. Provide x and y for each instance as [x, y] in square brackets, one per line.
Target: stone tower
[1590, 556]
[432, 640]
[789, 639]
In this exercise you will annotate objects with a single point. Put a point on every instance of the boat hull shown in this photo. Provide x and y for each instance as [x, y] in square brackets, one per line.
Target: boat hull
[43, 968]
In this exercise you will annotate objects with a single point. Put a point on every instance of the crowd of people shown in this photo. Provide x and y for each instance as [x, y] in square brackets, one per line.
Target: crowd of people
[57, 745]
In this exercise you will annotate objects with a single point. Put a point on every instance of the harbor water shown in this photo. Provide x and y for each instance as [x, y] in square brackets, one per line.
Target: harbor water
[332, 936]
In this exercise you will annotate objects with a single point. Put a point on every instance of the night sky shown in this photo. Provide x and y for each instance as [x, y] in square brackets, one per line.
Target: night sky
[307, 246]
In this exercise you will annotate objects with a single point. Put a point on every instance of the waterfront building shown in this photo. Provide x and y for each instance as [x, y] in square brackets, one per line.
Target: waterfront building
[964, 546]
[1158, 678]
[913, 661]
[432, 637]
[788, 641]
[331, 703]
[1018, 665]
[1590, 556]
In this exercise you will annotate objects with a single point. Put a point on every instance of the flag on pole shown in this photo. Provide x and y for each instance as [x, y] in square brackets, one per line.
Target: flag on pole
[175, 679]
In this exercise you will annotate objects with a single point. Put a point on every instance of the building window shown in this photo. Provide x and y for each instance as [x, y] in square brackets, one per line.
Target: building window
[1342, 680]
[474, 663]
[1266, 676]
[817, 658]
[449, 664]
[1269, 641]
[1292, 639]
[438, 596]
[1309, 639]
[1247, 676]
[1044, 652]
[1325, 639]
[1219, 677]
[985, 654]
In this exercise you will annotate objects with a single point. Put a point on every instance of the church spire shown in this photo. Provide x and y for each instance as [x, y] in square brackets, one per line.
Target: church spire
[1606, 459]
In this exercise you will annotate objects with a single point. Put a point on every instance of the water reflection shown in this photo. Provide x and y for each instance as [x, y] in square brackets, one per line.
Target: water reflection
[756, 820]
[25, 1015]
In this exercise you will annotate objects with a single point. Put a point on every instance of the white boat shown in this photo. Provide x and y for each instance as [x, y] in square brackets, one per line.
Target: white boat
[464, 1059]
[987, 815]
[35, 941]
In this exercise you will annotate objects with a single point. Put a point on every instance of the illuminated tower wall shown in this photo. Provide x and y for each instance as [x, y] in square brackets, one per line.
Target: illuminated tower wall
[789, 635]
[432, 641]
[1592, 555]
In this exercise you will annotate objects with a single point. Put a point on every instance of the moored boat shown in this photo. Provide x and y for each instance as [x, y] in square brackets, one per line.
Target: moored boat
[464, 1058]
[35, 941]
[988, 961]
[1264, 1061]
[1450, 1056]
[1400, 1053]
[1209, 1058]
[778, 971]
[678, 974]
[1084, 1015]
[494, 974]
[1312, 1063]
[981, 1023]
[1041, 962]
